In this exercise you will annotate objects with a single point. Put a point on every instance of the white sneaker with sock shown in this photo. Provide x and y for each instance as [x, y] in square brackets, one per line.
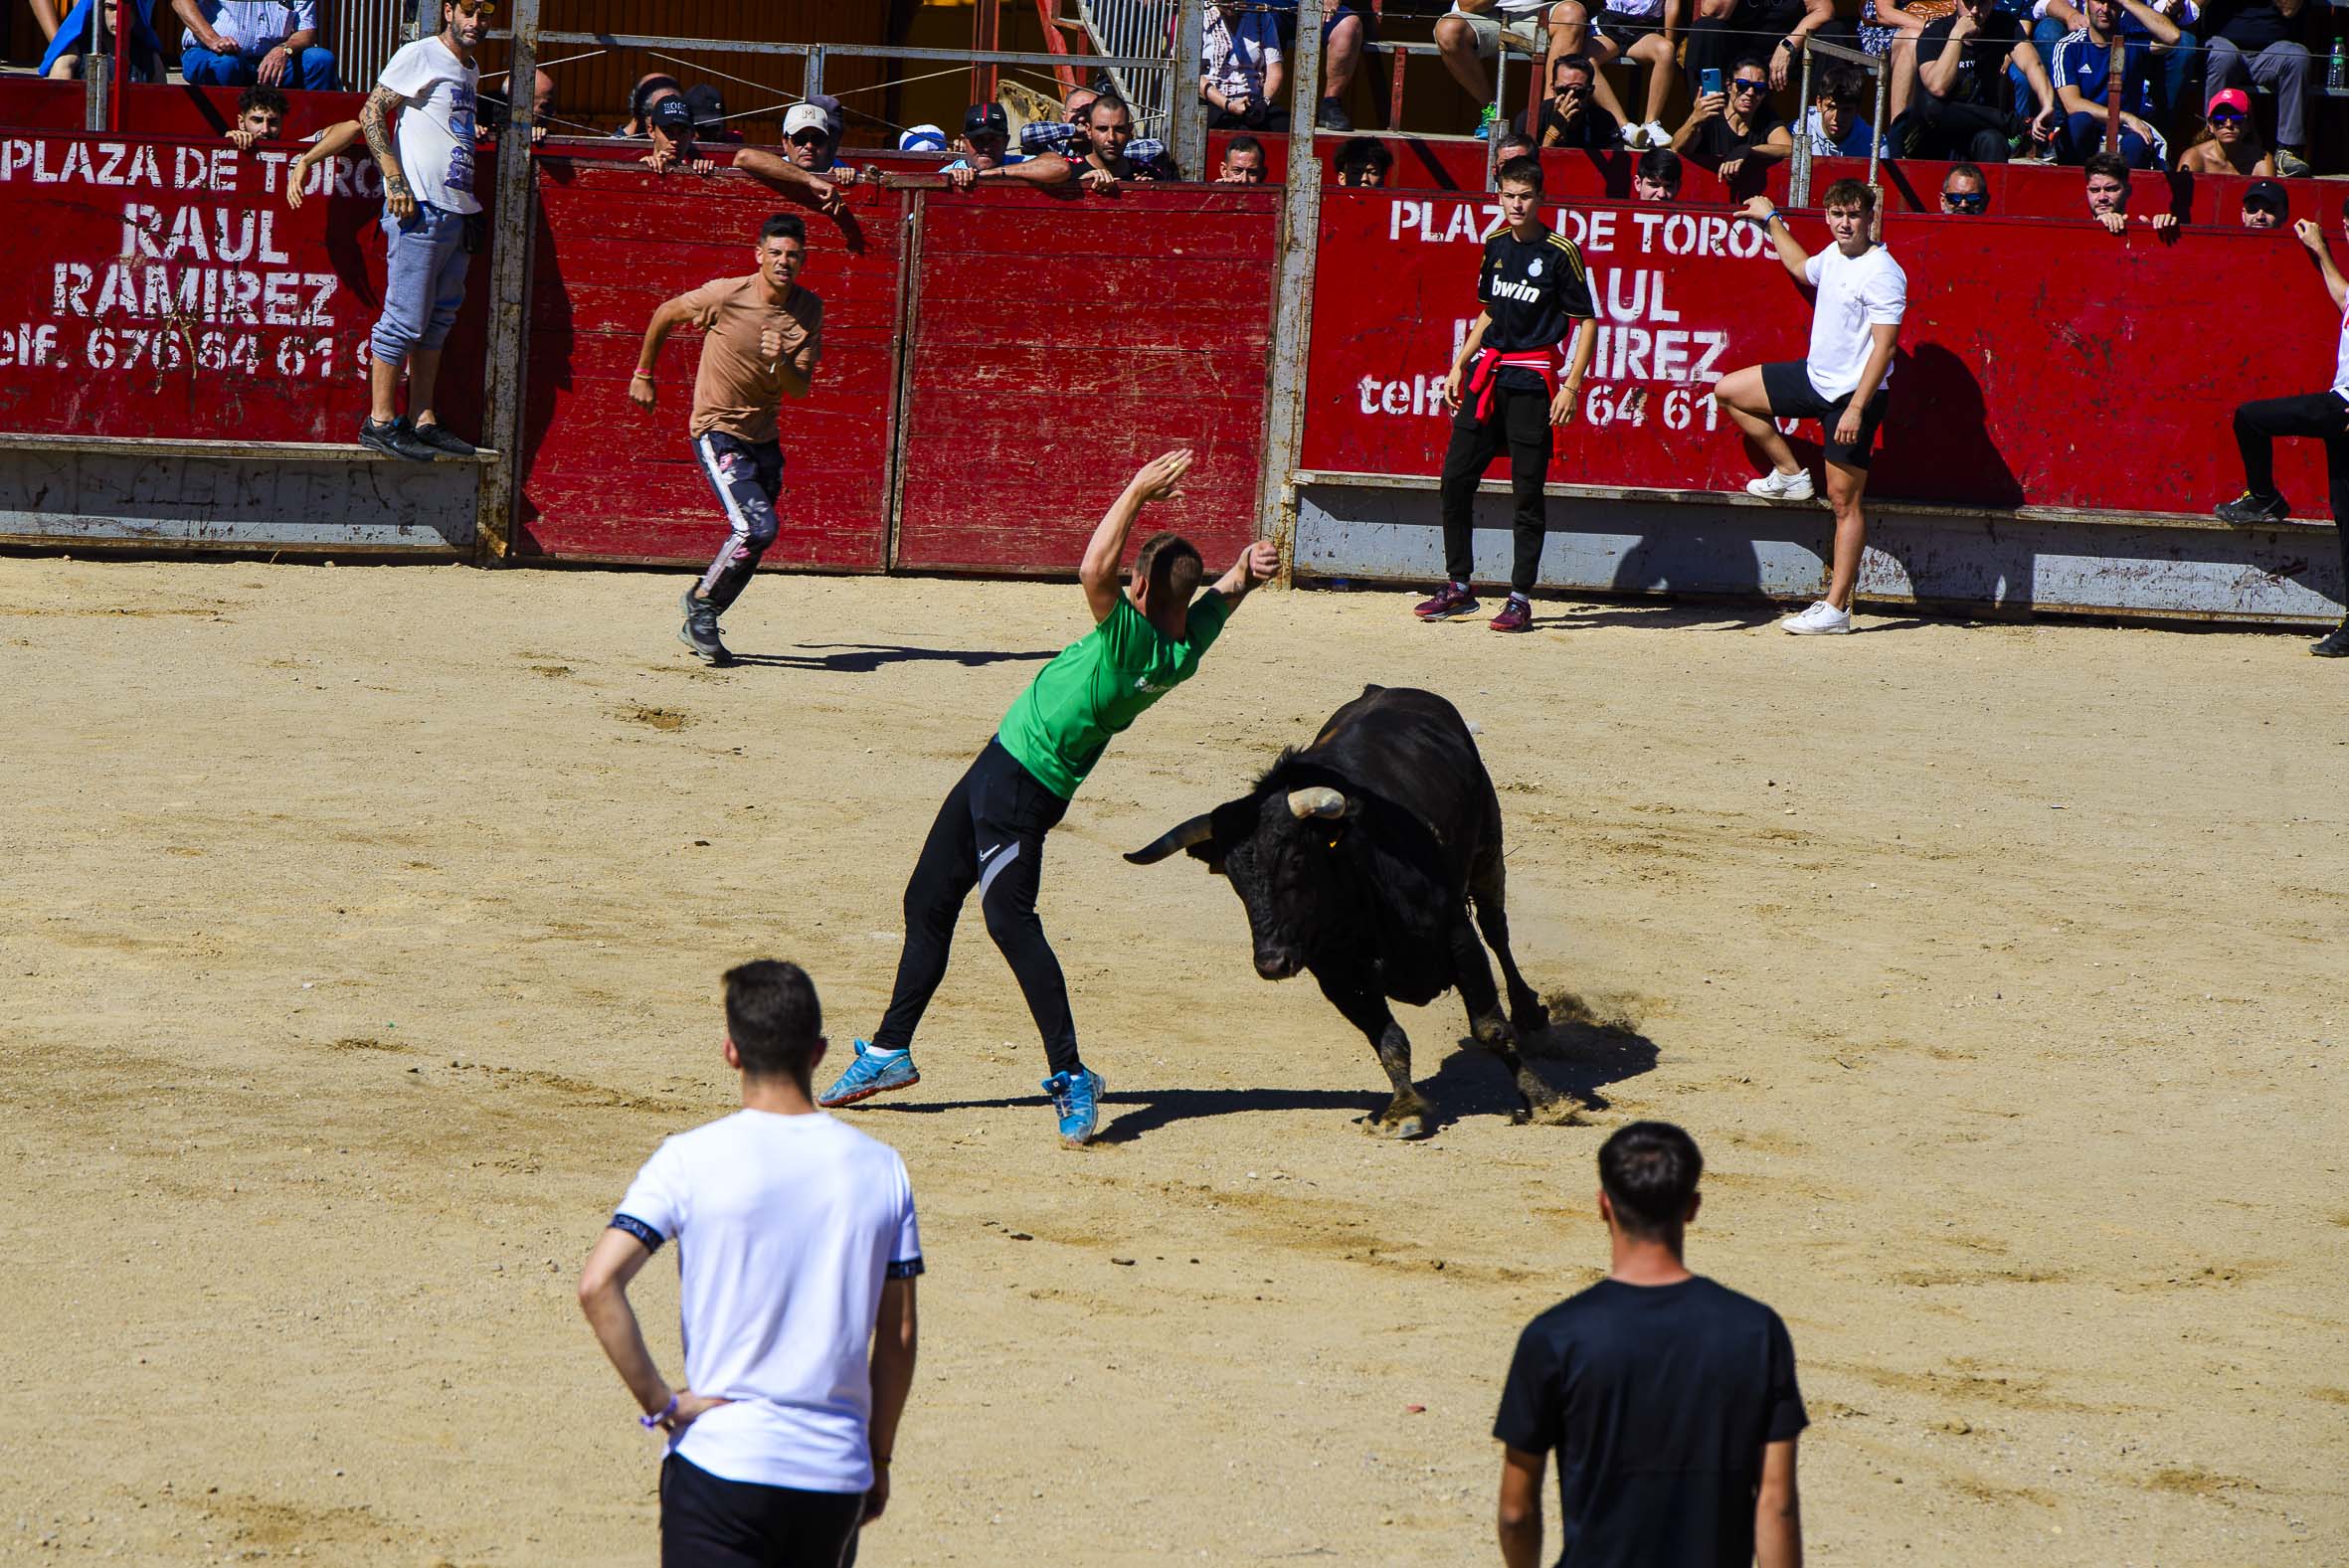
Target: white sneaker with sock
[1776, 486]
[1820, 619]
[1657, 136]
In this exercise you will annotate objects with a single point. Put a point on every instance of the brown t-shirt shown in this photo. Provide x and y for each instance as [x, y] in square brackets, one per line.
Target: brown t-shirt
[737, 389]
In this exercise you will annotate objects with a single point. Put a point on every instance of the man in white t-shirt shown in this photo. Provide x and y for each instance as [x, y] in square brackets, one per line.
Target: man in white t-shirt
[797, 1250]
[1854, 326]
[2320, 415]
[427, 197]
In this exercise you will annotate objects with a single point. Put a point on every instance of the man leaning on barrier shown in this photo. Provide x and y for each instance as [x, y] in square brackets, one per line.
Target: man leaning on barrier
[988, 155]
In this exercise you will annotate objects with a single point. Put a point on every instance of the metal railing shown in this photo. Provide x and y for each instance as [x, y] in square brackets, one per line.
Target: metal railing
[364, 34]
[1141, 30]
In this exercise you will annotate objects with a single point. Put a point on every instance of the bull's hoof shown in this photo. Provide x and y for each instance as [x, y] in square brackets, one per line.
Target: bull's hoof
[1492, 1034]
[1530, 1022]
[1400, 1122]
[1556, 1111]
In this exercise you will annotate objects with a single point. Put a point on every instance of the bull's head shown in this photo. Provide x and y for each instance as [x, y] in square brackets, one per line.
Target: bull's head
[1281, 851]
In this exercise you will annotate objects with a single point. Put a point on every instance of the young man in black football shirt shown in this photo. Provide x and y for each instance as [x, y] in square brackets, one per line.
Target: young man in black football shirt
[1505, 388]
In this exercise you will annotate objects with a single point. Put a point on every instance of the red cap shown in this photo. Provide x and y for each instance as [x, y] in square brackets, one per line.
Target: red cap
[2230, 99]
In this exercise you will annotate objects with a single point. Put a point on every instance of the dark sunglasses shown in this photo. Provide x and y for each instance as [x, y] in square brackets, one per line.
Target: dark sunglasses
[2225, 118]
[1741, 84]
[1573, 89]
[1967, 201]
[810, 138]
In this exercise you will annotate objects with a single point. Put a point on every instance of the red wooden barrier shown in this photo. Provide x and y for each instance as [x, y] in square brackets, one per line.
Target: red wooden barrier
[2041, 365]
[1059, 341]
[604, 480]
[164, 288]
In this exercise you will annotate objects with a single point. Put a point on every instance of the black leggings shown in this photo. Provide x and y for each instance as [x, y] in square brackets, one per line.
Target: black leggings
[1520, 421]
[990, 835]
[708, 1521]
[2320, 415]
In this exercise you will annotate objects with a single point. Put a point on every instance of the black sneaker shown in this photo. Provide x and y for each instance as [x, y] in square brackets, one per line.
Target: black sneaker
[2335, 647]
[2251, 507]
[441, 438]
[1332, 116]
[700, 630]
[395, 440]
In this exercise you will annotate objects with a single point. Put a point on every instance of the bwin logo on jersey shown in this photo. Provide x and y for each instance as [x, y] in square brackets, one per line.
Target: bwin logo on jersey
[1523, 292]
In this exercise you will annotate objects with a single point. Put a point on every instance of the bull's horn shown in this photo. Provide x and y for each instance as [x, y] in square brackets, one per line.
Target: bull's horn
[1318, 802]
[1195, 831]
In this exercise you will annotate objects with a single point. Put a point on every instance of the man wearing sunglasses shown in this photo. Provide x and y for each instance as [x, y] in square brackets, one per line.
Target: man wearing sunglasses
[988, 155]
[428, 197]
[2265, 205]
[2234, 145]
[1964, 193]
[2322, 416]
[1963, 108]
[806, 171]
[1729, 131]
[1569, 117]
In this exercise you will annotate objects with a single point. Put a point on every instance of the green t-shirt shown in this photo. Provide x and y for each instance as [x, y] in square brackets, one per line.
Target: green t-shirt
[1099, 684]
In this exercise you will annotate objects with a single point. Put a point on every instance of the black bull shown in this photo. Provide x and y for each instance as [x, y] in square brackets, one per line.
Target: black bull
[1357, 858]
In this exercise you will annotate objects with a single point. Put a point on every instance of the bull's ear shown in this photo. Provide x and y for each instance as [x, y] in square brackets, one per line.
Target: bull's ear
[1209, 853]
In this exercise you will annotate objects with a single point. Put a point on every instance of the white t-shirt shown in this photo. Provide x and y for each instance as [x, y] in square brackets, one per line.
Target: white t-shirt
[1856, 292]
[786, 1227]
[2341, 362]
[1234, 55]
[436, 130]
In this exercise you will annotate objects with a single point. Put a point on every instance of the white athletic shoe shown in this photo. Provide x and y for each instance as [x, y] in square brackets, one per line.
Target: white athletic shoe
[1657, 136]
[1822, 619]
[1776, 486]
[1636, 137]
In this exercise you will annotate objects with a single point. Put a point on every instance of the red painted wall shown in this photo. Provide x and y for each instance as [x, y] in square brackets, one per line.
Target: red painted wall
[165, 288]
[607, 480]
[2040, 364]
[1059, 341]
[165, 108]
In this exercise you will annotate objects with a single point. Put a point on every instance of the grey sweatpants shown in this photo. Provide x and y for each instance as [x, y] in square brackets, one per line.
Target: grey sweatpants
[425, 263]
[2286, 69]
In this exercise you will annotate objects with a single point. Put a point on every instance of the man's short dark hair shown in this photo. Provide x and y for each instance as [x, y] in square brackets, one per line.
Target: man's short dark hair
[1581, 63]
[1108, 100]
[1363, 152]
[1965, 171]
[1243, 142]
[773, 1018]
[1169, 566]
[260, 98]
[1849, 193]
[2112, 163]
[1660, 166]
[1519, 171]
[642, 94]
[785, 226]
[1649, 1172]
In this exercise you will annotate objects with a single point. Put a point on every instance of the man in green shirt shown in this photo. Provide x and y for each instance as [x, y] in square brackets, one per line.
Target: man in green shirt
[1146, 641]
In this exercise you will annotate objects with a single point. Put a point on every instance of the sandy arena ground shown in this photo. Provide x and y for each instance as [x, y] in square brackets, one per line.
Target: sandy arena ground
[362, 929]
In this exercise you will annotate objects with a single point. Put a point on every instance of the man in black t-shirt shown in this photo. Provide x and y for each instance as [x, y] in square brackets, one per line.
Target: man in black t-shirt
[1961, 108]
[1568, 118]
[1503, 384]
[1670, 1400]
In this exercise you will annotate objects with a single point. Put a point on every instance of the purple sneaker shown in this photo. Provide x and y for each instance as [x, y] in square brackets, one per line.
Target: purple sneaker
[1451, 599]
[1516, 615]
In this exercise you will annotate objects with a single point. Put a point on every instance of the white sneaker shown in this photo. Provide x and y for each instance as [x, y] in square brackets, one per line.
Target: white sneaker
[1657, 136]
[1820, 619]
[1636, 137]
[1776, 486]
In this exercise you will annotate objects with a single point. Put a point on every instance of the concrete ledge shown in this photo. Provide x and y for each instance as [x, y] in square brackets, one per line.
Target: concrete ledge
[234, 451]
[1385, 528]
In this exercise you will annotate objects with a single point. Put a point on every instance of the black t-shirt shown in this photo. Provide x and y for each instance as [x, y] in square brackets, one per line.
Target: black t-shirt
[1593, 130]
[1981, 69]
[2256, 26]
[1658, 1401]
[1718, 141]
[1533, 291]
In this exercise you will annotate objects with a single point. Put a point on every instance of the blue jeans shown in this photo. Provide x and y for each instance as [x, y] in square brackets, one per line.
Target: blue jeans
[2084, 134]
[310, 70]
[425, 266]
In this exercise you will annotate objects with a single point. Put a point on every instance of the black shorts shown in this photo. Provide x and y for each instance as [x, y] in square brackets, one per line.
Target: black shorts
[708, 1521]
[1787, 384]
[1623, 31]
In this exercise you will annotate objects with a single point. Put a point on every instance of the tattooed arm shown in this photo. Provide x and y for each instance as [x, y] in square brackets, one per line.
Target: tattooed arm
[396, 198]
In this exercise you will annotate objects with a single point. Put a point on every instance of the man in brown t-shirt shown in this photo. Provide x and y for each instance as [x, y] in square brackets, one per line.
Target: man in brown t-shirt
[762, 336]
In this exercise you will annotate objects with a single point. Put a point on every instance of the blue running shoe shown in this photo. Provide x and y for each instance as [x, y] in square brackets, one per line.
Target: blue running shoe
[872, 1073]
[1078, 1099]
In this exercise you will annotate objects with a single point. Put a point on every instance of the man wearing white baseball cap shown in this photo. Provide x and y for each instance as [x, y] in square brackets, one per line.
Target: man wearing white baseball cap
[805, 170]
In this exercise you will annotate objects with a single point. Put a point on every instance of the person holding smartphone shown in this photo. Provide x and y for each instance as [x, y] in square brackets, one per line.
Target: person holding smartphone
[1727, 130]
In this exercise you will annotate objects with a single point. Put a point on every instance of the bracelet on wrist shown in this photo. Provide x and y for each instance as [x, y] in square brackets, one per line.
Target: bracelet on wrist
[641, 375]
[651, 1423]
